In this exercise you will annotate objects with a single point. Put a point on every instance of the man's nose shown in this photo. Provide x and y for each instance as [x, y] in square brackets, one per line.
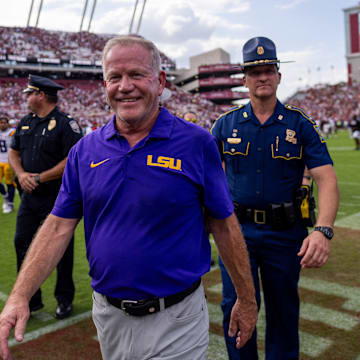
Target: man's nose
[125, 84]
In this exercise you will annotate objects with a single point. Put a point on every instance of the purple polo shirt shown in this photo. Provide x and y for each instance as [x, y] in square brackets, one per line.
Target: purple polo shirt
[143, 207]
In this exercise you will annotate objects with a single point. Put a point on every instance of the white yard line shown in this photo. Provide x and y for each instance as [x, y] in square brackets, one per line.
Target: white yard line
[61, 324]
[3, 297]
[351, 222]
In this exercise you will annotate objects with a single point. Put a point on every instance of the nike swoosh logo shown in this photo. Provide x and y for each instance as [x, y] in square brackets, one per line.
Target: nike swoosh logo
[92, 165]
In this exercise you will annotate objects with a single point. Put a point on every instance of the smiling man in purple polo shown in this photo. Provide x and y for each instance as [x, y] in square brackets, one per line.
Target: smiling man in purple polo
[145, 184]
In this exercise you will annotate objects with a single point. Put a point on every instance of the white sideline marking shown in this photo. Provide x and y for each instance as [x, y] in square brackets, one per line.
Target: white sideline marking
[340, 148]
[3, 297]
[61, 324]
[352, 222]
[332, 318]
[42, 316]
[350, 293]
[348, 183]
[313, 345]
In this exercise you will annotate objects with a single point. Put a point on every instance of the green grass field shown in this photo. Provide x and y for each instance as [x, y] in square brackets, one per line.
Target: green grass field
[330, 309]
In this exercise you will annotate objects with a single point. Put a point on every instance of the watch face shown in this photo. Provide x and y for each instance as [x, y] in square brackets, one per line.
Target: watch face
[327, 231]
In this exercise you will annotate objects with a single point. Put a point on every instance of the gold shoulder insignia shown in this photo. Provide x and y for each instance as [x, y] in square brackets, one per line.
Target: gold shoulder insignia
[228, 112]
[294, 108]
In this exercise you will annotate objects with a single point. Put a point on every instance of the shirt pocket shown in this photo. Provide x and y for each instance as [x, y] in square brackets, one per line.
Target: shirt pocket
[25, 141]
[288, 156]
[236, 152]
[48, 144]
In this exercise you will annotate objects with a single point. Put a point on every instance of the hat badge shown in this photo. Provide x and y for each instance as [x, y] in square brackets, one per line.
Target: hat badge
[260, 50]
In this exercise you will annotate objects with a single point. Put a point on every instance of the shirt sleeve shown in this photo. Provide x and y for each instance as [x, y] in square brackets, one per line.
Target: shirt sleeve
[217, 199]
[69, 203]
[315, 149]
[216, 132]
[15, 139]
[71, 135]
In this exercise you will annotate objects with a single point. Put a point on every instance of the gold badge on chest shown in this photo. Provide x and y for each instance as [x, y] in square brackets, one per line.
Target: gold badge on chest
[52, 124]
[290, 136]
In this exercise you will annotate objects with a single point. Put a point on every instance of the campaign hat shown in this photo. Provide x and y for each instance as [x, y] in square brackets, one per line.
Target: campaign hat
[259, 51]
[41, 83]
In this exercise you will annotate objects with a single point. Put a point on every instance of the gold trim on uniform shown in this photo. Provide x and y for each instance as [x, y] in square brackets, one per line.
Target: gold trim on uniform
[25, 127]
[245, 115]
[52, 124]
[280, 117]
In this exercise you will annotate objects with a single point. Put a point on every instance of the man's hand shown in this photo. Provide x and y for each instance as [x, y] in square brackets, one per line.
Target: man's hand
[315, 250]
[243, 321]
[15, 314]
[27, 181]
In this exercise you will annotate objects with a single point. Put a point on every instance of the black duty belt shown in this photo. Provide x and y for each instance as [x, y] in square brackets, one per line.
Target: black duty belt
[279, 216]
[153, 305]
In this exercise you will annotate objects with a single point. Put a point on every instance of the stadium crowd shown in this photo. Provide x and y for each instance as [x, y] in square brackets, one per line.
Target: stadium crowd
[34, 42]
[329, 103]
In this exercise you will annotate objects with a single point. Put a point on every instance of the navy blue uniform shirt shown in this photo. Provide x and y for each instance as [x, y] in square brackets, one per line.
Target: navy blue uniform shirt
[44, 142]
[264, 163]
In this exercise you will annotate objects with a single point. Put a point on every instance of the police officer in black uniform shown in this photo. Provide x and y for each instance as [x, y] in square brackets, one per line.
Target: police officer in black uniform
[266, 146]
[38, 155]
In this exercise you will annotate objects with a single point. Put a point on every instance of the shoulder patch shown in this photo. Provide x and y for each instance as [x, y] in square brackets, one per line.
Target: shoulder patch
[75, 126]
[294, 108]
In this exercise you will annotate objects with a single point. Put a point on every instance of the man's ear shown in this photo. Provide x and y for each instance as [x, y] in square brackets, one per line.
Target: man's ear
[162, 81]
[244, 80]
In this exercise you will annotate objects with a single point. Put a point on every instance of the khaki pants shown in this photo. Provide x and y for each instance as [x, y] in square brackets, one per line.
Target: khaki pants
[180, 332]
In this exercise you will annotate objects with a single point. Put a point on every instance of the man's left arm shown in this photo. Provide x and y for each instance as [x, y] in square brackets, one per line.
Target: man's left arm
[232, 249]
[53, 173]
[316, 247]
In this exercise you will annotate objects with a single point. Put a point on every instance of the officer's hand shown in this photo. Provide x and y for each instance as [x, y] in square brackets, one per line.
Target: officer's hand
[15, 314]
[315, 250]
[243, 321]
[27, 181]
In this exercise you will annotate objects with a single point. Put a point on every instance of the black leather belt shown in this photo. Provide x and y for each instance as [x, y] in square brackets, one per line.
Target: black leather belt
[258, 216]
[153, 305]
[279, 216]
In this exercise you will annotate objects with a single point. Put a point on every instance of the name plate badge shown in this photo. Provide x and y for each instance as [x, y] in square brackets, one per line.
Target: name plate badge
[234, 140]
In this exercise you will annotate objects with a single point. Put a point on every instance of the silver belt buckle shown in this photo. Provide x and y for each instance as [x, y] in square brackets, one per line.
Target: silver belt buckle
[123, 302]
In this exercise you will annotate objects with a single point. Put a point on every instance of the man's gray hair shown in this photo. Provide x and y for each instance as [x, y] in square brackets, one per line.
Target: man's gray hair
[131, 40]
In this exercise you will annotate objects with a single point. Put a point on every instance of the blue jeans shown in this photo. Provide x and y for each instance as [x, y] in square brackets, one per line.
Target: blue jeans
[275, 261]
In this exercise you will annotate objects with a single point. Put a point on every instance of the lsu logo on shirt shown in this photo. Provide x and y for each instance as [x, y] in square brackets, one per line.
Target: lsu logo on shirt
[165, 162]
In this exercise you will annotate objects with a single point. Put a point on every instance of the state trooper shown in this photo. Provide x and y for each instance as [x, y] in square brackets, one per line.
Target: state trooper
[38, 155]
[265, 147]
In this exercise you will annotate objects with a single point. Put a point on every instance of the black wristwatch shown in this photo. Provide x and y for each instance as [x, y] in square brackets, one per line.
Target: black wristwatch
[37, 178]
[326, 230]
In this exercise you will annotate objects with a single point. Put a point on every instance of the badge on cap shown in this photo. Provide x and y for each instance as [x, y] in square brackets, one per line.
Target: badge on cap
[260, 50]
[290, 136]
[52, 124]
